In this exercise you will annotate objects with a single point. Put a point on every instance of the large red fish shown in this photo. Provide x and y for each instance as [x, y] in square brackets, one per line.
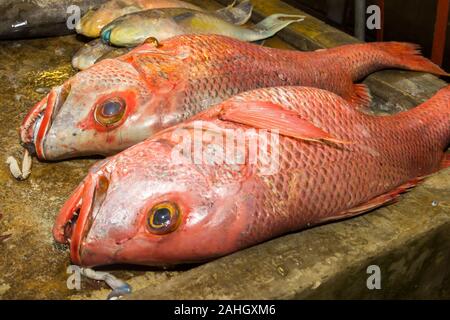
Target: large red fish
[153, 205]
[120, 102]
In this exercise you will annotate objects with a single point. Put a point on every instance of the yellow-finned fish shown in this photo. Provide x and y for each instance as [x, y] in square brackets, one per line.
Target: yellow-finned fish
[92, 22]
[133, 29]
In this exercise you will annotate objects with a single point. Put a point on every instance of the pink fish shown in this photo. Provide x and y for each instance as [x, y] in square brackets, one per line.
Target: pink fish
[151, 205]
[120, 102]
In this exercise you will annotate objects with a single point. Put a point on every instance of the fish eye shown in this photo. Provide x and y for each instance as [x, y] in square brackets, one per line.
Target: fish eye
[163, 218]
[110, 111]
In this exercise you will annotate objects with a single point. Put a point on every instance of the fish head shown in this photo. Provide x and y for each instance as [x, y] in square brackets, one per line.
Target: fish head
[141, 207]
[93, 21]
[99, 111]
[133, 29]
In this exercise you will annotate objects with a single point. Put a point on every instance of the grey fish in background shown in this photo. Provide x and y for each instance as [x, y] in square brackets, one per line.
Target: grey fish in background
[116, 52]
[93, 52]
[90, 25]
[133, 29]
[39, 18]
[93, 22]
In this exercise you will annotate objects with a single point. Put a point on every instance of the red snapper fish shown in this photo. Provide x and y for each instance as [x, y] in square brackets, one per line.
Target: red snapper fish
[120, 102]
[153, 205]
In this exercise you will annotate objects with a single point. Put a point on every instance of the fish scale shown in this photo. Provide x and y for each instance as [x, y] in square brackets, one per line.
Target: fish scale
[163, 84]
[332, 183]
[217, 67]
[355, 163]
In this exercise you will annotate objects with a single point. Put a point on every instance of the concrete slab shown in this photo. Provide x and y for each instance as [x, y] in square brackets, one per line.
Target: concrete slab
[408, 240]
[31, 265]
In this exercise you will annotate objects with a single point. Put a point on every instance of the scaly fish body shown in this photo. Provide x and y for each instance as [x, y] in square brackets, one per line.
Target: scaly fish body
[146, 206]
[133, 29]
[119, 102]
[93, 22]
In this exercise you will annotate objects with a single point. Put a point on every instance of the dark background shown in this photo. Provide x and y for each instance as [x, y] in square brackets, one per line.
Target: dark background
[410, 21]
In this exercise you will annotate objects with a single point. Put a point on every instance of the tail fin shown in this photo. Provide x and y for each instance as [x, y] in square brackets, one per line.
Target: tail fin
[408, 56]
[236, 14]
[274, 23]
[370, 57]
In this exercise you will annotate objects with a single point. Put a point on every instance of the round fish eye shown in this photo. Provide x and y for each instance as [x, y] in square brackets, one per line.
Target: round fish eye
[110, 111]
[163, 218]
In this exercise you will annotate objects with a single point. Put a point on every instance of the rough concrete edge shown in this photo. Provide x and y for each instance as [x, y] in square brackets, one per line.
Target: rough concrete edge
[333, 288]
[295, 36]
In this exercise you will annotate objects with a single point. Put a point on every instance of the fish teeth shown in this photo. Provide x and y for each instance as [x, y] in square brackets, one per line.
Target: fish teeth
[37, 124]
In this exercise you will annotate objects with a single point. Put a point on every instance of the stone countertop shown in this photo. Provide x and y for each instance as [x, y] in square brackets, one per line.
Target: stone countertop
[409, 240]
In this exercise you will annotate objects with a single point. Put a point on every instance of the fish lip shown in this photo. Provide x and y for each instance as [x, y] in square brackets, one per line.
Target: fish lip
[27, 128]
[32, 137]
[81, 201]
[106, 36]
[84, 221]
[67, 213]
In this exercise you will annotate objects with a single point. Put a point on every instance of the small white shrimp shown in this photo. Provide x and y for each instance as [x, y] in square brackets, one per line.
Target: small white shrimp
[24, 173]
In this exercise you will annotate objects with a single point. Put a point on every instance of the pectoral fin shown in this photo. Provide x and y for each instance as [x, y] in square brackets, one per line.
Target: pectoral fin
[360, 97]
[271, 116]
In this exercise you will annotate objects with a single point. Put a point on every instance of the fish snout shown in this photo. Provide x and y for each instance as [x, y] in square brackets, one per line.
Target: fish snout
[106, 36]
[76, 217]
[38, 120]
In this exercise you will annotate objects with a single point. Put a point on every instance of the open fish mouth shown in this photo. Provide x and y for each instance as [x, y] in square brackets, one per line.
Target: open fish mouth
[75, 218]
[38, 121]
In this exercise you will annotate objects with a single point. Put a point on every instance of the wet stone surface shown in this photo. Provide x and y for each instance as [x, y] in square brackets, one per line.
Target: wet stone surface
[33, 267]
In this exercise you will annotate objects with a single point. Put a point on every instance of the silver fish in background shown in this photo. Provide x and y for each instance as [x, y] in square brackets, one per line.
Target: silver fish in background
[93, 22]
[133, 29]
[93, 52]
[39, 18]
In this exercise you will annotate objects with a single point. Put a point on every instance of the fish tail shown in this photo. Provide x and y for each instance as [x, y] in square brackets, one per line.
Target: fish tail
[274, 23]
[408, 56]
[237, 14]
[370, 57]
